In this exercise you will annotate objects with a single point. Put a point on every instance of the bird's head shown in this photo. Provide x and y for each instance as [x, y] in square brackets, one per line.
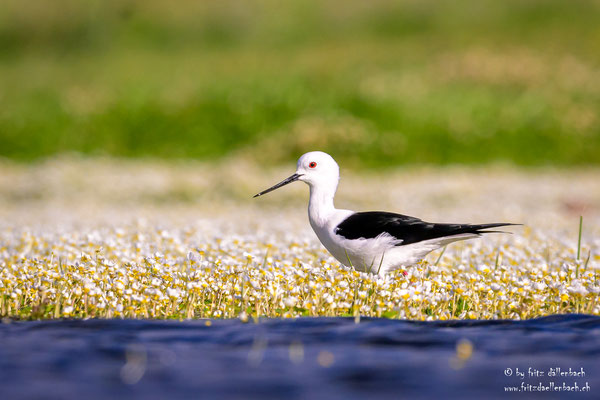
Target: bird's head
[316, 168]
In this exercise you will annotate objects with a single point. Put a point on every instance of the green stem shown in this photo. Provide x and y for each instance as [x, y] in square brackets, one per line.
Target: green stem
[497, 259]
[579, 240]
[440, 256]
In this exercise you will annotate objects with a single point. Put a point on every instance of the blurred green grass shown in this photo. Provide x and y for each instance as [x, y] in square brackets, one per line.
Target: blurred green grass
[375, 83]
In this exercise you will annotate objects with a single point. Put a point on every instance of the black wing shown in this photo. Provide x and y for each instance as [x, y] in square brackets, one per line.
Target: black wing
[371, 224]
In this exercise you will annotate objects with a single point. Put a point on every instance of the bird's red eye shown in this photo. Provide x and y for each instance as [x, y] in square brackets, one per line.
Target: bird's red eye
[312, 164]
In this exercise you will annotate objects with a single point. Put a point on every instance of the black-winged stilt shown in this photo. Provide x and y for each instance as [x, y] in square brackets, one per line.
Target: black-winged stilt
[372, 241]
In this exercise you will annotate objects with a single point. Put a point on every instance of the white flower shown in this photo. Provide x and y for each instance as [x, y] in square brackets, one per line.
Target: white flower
[578, 289]
[290, 301]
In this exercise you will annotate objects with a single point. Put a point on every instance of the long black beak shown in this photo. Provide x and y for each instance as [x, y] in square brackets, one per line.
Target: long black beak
[280, 184]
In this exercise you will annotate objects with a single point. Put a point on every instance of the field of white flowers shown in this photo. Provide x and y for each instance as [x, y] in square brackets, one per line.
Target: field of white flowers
[140, 239]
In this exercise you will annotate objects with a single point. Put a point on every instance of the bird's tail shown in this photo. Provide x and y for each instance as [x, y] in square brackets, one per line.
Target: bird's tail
[484, 228]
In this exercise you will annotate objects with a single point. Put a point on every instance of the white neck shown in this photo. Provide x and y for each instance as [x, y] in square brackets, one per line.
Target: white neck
[320, 204]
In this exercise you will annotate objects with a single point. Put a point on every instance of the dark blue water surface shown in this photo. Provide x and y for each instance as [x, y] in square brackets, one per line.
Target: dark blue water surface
[327, 358]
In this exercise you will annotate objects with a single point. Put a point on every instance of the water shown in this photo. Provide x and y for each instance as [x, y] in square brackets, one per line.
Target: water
[329, 358]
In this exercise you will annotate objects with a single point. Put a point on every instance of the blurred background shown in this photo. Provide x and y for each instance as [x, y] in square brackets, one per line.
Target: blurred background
[466, 110]
[377, 83]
